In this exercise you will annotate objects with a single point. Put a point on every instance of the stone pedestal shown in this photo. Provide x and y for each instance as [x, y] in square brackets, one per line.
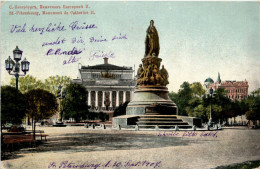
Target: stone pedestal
[59, 124]
[151, 100]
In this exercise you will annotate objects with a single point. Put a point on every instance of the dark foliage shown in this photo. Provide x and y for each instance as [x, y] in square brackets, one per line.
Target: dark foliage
[120, 110]
[13, 105]
[41, 104]
[75, 103]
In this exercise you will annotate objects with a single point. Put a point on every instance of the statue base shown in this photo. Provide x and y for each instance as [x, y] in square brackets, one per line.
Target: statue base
[151, 100]
[59, 124]
[151, 107]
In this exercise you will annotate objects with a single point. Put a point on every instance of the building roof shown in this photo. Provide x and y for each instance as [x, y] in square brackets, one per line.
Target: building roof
[106, 67]
[209, 80]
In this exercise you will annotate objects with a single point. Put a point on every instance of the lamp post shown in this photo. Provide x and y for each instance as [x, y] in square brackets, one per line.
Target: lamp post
[61, 94]
[210, 119]
[14, 67]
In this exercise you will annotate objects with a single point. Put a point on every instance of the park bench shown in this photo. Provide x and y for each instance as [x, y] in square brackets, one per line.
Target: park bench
[42, 136]
[39, 133]
[11, 140]
[18, 139]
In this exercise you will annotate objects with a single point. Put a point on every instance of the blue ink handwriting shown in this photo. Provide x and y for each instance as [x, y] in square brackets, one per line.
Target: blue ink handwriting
[131, 163]
[57, 42]
[109, 164]
[78, 40]
[75, 26]
[17, 28]
[50, 28]
[190, 134]
[58, 51]
[100, 54]
[119, 37]
[93, 39]
[67, 164]
[72, 59]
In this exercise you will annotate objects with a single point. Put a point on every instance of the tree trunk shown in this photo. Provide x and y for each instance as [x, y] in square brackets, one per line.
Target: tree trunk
[2, 137]
[34, 124]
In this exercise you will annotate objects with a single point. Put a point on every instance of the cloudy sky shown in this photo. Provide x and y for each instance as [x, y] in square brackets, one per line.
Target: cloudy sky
[197, 39]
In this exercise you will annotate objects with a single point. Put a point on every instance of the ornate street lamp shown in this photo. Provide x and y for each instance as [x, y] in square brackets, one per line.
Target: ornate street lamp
[210, 119]
[25, 65]
[14, 67]
[9, 64]
[17, 54]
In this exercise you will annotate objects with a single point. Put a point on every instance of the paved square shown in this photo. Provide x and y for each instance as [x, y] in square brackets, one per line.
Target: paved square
[78, 147]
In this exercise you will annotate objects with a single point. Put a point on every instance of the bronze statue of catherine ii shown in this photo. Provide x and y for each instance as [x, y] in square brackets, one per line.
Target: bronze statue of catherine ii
[152, 46]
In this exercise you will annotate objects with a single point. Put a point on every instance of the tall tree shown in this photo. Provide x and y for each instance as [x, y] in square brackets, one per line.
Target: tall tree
[256, 93]
[252, 115]
[199, 111]
[52, 83]
[253, 103]
[216, 112]
[197, 89]
[13, 105]
[75, 102]
[27, 83]
[219, 99]
[188, 97]
[41, 104]
[182, 98]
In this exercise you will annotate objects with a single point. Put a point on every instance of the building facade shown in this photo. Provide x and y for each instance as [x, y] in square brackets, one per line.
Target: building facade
[107, 85]
[235, 90]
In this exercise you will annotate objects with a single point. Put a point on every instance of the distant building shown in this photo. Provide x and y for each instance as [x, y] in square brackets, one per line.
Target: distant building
[108, 85]
[208, 82]
[235, 90]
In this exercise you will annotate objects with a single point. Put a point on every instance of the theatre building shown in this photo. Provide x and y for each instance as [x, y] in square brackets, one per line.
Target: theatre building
[107, 85]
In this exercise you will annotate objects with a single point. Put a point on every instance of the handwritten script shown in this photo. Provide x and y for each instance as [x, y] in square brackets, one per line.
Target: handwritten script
[189, 134]
[51, 27]
[108, 164]
[100, 54]
[70, 47]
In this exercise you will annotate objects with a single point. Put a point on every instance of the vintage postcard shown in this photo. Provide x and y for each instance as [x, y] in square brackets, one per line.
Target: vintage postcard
[128, 84]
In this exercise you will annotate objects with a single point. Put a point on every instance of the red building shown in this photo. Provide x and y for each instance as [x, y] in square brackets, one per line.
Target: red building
[235, 90]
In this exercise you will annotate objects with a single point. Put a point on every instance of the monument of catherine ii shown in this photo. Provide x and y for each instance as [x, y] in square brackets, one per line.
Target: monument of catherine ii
[151, 105]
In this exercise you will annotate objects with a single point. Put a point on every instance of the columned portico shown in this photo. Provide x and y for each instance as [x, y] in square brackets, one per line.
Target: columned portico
[117, 98]
[108, 85]
[103, 98]
[124, 96]
[99, 96]
[110, 96]
[96, 98]
[89, 93]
